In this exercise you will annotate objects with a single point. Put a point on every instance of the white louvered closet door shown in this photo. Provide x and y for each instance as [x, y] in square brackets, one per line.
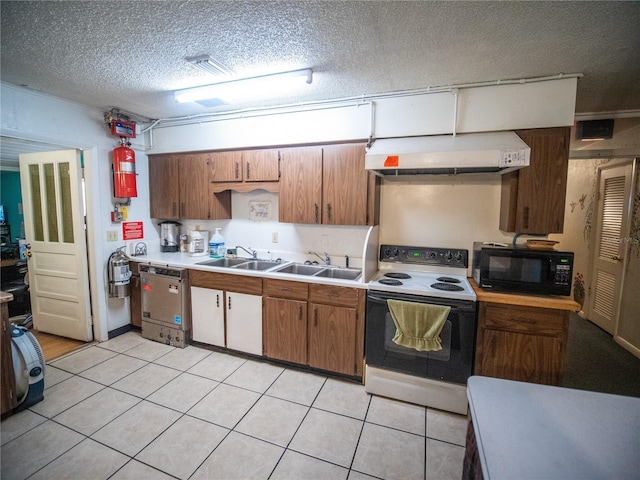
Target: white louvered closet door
[612, 228]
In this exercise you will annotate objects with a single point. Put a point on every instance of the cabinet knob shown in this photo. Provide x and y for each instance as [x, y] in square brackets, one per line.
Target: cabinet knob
[248, 176]
[315, 213]
[617, 258]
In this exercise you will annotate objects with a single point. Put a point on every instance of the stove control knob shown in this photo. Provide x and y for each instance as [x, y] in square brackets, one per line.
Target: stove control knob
[386, 253]
[448, 256]
[458, 256]
[396, 253]
[432, 255]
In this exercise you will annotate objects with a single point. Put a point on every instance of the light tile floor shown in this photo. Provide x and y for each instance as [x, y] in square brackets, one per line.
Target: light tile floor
[130, 408]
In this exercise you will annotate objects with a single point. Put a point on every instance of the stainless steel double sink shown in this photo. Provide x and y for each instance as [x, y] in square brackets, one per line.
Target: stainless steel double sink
[324, 271]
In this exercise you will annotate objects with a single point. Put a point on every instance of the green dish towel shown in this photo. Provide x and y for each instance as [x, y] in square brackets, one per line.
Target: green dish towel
[418, 325]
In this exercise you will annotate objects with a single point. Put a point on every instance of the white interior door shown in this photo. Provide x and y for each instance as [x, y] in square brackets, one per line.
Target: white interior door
[53, 206]
[612, 226]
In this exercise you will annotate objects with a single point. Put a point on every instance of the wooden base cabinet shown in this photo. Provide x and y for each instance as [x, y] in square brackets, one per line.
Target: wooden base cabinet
[521, 343]
[135, 300]
[332, 338]
[336, 328]
[321, 326]
[285, 329]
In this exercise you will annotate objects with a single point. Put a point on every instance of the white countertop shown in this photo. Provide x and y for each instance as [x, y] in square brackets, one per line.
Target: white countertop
[184, 260]
[530, 431]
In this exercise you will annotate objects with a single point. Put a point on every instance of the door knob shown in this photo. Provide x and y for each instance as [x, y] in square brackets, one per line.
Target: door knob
[28, 254]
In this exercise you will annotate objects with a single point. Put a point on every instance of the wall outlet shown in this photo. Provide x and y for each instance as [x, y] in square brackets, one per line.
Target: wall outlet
[274, 237]
[112, 235]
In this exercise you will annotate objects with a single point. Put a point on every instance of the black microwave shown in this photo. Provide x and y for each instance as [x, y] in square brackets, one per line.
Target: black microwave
[522, 270]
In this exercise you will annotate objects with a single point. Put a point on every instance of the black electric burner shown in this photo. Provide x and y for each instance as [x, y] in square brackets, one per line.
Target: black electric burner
[390, 281]
[448, 280]
[397, 275]
[450, 287]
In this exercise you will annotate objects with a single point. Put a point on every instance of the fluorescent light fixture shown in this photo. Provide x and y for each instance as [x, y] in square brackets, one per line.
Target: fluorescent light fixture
[209, 65]
[266, 86]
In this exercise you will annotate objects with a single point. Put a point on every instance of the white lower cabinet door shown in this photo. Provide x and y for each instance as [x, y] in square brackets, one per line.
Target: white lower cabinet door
[207, 316]
[244, 322]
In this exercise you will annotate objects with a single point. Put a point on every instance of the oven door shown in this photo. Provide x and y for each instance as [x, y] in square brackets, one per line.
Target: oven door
[454, 363]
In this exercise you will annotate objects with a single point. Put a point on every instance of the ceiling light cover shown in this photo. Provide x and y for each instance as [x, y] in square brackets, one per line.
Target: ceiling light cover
[246, 89]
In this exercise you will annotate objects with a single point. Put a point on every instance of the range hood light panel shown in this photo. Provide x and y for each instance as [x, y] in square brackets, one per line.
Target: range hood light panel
[490, 152]
[236, 91]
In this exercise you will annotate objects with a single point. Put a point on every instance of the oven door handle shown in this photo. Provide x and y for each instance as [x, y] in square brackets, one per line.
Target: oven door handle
[456, 306]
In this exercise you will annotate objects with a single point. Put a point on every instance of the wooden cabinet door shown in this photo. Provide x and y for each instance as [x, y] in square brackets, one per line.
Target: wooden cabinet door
[533, 198]
[261, 165]
[344, 187]
[522, 357]
[300, 198]
[135, 300]
[194, 187]
[285, 329]
[207, 316]
[225, 166]
[164, 188]
[244, 322]
[332, 338]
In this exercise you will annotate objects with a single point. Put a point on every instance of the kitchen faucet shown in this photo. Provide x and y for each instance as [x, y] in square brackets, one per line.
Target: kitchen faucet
[326, 259]
[250, 251]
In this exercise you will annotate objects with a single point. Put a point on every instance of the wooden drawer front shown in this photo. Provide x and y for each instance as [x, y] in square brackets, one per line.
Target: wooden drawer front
[286, 289]
[538, 321]
[227, 282]
[332, 295]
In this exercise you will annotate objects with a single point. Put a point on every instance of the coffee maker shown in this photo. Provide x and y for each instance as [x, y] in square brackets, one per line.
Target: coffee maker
[169, 236]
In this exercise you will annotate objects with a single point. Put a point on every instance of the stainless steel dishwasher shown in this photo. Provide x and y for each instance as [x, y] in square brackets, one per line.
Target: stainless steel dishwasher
[166, 312]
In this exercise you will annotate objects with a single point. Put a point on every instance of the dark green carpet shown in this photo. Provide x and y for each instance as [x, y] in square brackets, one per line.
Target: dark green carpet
[595, 362]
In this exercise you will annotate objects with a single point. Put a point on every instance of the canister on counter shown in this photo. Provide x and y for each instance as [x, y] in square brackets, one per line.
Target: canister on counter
[184, 243]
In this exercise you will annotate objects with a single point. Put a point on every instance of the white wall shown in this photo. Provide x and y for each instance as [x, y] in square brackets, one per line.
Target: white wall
[503, 107]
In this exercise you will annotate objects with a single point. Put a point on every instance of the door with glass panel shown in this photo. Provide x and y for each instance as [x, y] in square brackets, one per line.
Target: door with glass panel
[53, 207]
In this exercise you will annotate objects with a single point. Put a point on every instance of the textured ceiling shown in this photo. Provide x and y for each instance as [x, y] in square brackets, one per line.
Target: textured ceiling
[131, 55]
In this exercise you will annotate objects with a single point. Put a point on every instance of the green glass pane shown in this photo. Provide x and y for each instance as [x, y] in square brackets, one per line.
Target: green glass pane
[50, 200]
[65, 197]
[36, 203]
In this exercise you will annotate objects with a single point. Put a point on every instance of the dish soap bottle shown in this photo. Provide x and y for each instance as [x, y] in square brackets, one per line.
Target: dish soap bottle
[216, 245]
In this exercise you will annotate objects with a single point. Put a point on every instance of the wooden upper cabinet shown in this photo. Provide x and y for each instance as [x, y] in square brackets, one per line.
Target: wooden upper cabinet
[300, 199]
[533, 198]
[164, 188]
[344, 185]
[327, 185]
[261, 165]
[179, 189]
[244, 171]
[225, 166]
[194, 187]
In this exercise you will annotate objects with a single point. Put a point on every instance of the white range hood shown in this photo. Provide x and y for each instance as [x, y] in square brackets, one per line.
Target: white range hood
[447, 154]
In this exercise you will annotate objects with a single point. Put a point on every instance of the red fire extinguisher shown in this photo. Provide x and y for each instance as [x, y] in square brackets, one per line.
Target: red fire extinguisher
[124, 171]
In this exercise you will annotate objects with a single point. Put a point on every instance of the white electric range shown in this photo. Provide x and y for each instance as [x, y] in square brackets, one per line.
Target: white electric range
[425, 275]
